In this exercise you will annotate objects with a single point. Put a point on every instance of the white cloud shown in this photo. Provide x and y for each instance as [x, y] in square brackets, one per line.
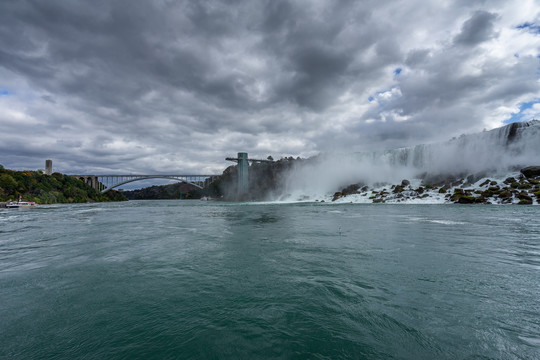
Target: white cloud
[532, 113]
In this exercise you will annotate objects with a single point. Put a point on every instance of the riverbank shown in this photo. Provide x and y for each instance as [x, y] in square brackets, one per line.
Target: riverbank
[49, 189]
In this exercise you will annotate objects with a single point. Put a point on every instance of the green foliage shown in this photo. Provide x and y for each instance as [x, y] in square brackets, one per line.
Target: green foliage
[7, 181]
[171, 191]
[49, 189]
[113, 195]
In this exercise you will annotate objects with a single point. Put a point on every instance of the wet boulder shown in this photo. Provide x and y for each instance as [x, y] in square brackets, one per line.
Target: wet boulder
[524, 185]
[466, 200]
[351, 189]
[524, 196]
[531, 171]
[485, 182]
[480, 200]
[337, 195]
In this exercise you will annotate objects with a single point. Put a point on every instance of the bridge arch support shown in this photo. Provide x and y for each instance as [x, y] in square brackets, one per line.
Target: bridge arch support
[105, 183]
[123, 182]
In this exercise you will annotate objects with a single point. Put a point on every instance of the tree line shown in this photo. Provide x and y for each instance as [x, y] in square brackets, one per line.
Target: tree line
[49, 189]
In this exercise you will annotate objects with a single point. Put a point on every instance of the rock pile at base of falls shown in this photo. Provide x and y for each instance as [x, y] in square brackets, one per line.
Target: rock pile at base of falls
[522, 188]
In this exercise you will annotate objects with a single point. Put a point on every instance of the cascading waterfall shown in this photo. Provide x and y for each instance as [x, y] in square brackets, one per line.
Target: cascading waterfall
[493, 152]
[516, 144]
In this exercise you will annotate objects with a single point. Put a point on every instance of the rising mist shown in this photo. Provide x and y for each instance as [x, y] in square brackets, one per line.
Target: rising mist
[494, 152]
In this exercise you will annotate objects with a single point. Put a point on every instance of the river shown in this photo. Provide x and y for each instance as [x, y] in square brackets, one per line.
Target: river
[210, 280]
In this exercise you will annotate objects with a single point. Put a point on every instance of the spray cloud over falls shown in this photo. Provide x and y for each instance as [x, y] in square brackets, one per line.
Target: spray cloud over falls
[497, 151]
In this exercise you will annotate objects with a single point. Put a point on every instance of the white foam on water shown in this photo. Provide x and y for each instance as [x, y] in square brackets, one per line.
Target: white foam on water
[446, 222]
[436, 221]
[530, 340]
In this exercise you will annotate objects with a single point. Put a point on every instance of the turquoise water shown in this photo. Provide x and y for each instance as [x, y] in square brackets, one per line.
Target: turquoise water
[204, 280]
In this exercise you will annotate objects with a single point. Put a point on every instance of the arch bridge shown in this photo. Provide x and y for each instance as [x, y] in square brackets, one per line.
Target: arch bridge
[104, 183]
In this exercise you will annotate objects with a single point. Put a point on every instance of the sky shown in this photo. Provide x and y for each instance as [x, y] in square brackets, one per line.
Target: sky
[163, 86]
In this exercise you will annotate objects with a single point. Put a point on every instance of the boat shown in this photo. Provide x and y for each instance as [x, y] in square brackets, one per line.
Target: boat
[19, 203]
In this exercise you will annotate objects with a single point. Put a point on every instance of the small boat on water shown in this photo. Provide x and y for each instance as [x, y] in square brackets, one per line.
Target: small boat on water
[19, 203]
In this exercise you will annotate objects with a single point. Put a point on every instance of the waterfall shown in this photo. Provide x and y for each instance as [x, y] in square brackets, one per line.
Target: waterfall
[513, 145]
[497, 151]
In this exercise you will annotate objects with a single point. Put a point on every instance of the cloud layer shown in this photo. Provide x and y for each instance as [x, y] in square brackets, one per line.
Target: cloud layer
[174, 87]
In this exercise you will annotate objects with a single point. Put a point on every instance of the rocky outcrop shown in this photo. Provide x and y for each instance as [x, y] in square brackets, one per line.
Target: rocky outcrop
[531, 171]
[467, 190]
[266, 180]
[349, 190]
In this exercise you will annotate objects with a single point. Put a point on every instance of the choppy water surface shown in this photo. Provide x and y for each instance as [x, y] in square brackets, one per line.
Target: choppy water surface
[186, 279]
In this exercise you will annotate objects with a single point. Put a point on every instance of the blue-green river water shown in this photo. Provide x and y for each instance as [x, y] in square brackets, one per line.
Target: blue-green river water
[207, 280]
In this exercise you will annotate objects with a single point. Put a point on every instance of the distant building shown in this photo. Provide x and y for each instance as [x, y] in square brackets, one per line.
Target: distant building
[48, 167]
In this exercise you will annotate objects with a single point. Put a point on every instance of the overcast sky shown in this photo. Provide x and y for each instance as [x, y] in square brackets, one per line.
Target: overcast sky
[176, 86]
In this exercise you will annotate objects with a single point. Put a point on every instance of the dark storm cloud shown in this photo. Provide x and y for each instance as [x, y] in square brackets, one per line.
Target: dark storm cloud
[477, 29]
[154, 86]
[416, 57]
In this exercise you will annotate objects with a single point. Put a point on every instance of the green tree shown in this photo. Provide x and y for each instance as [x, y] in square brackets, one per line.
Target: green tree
[7, 182]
